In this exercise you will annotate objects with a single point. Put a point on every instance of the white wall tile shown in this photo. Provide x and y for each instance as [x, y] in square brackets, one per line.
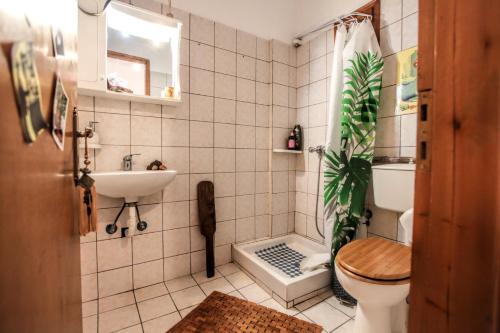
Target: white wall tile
[245, 160]
[175, 215]
[89, 287]
[201, 82]
[146, 131]
[175, 133]
[409, 7]
[201, 134]
[280, 51]
[245, 67]
[226, 208]
[176, 242]
[225, 37]
[225, 62]
[114, 253]
[147, 247]
[201, 56]
[202, 30]
[263, 49]
[224, 160]
[176, 266]
[390, 39]
[225, 86]
[225, 184]
[114, 129]
[245, 113]
[88, 258]
[318, 46]
[246, 43]
[201, 160]
[245, 229]
[410, 31]
[115, 281]
[148, 273]
[245, 90]
[390, 11]
[109, 105]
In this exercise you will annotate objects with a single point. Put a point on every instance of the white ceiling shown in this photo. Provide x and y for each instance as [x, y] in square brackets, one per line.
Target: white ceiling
[270, 19]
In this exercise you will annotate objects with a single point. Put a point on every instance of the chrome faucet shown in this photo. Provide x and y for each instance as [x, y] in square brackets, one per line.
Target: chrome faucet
[127, 162]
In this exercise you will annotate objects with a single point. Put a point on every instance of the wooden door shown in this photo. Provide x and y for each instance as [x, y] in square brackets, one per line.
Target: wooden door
[39, 242]
[456, 240]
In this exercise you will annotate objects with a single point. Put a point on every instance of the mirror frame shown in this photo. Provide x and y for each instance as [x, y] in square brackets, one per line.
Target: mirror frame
[156, 18]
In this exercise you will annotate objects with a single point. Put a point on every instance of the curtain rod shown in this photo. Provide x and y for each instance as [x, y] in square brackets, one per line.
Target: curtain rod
[333, 22]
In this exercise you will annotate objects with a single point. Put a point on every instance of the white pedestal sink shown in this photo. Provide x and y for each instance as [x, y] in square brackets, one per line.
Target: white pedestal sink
[131, 185]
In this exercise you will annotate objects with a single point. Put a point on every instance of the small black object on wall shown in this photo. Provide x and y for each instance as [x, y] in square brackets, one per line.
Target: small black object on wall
[206, 214]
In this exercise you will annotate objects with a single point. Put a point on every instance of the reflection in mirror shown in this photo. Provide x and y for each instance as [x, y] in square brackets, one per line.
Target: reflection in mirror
[143, 52]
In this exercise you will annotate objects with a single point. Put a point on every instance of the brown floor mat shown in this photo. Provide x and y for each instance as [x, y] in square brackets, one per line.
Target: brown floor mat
[223, 313]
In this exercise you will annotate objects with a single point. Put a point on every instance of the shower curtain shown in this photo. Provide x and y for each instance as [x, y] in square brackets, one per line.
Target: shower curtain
[352, 115]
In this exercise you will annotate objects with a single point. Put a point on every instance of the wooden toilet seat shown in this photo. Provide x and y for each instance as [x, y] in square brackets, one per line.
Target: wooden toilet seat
[375, 260]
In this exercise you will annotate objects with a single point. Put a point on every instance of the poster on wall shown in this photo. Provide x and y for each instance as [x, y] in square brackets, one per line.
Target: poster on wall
[406, 85]
[27, 90]
[59, 112]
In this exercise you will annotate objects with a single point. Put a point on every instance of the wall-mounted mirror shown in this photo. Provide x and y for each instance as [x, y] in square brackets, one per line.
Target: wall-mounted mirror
[143, 50]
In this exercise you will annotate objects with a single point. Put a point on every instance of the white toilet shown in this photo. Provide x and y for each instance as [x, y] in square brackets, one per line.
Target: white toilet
[376, 271]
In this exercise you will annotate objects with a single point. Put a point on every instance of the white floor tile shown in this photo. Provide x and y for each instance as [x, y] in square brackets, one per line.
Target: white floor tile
[156, 307]
[237, 294]
[273, 304]
[345, 328]
[201, 277]
[228, 269]
[310, 302]
[188, 297]
[239, 280]
[254, 293]
[119, 318]
[186, 311]
[333, 301]
[302, 317]
[180, 283]
[220, 284]
[150, 292]
[326, 316]
[161, 324]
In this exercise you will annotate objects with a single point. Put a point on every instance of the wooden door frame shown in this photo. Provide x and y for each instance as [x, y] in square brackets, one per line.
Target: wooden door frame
[456, 238]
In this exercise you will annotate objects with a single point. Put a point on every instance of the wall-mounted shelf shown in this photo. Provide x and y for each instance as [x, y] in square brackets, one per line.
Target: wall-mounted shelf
[129, 97]
[287, 151]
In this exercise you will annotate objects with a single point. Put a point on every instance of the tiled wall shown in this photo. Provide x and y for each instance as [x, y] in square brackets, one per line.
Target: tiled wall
[284, 118]
[221, 132]
[396, 134]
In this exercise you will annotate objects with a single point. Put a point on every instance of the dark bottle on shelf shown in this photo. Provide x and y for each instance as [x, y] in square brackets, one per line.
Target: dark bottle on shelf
[297, 131]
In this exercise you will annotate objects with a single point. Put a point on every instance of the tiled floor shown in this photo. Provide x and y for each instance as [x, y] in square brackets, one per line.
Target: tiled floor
[157, 308]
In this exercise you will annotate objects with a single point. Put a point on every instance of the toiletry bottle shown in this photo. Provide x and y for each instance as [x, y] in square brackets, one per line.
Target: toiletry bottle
[297, 132]
[291, 141]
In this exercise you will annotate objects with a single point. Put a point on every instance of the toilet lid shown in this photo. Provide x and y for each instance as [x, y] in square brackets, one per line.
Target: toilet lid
[376, 258]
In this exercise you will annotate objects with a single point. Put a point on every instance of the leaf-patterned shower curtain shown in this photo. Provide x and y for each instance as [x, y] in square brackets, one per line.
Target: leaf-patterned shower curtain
[351, 137]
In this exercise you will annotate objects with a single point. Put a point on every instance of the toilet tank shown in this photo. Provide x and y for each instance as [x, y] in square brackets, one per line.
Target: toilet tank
[393, 186]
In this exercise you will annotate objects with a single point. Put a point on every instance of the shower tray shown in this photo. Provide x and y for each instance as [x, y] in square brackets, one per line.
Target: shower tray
[268, 262]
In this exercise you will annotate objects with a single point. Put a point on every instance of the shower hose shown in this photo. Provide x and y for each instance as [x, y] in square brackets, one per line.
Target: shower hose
[320, 151]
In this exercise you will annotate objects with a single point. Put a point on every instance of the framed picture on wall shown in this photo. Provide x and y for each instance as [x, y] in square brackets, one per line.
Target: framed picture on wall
[406, 98]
